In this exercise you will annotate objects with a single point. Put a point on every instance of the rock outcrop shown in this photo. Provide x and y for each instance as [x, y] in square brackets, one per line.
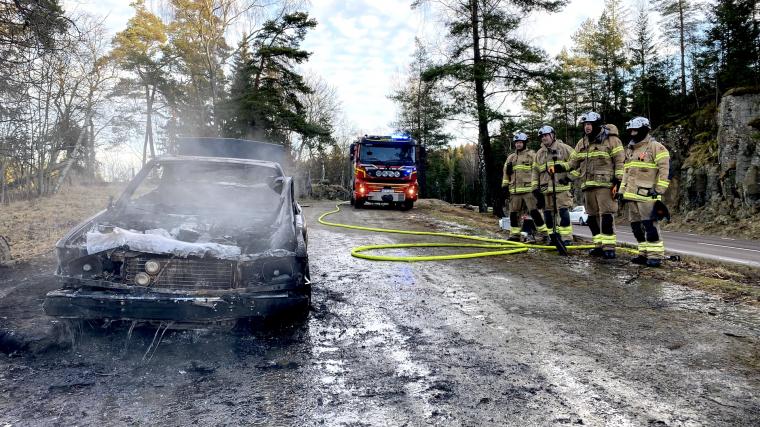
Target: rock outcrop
[716, 158]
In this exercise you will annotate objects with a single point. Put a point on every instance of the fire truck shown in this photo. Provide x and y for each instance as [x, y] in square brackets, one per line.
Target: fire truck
[385, 171]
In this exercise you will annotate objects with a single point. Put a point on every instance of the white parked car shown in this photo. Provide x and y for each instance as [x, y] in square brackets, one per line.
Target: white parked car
[578, 215]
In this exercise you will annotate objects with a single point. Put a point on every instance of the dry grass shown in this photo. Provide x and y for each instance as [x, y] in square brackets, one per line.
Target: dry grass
[32, 227]
[444, 211]
[743, 228]
[736, 283]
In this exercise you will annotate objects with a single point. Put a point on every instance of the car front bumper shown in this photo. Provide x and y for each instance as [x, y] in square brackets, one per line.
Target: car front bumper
[86, 303]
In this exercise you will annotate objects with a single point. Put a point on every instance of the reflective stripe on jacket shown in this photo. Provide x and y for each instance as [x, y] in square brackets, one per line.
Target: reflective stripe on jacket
[545, 159]
[522, 168]
[596, 162]
[647, 165]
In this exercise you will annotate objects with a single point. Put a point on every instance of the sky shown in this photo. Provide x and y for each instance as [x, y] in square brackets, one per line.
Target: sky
[362, 47]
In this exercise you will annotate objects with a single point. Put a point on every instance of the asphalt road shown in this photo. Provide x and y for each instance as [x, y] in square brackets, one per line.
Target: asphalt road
[531, 339]
[718, 248]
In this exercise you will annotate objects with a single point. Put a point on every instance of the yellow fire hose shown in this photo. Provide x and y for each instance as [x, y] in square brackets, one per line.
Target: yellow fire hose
[501, 247]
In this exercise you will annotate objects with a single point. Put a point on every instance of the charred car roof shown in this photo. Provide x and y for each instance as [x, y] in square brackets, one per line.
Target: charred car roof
[180, 159]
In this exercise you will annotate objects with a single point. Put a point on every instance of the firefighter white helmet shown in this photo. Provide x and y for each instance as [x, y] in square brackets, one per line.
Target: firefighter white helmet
[638, 123]
[545, 129]
[520, 136]
[591, 116]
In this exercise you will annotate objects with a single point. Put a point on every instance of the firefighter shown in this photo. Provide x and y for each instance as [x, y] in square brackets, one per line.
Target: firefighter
[647, 165]
[551, 163]
[517, 184]
[598, 165]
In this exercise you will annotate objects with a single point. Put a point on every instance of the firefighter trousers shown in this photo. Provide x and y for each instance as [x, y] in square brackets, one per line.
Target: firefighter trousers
[601, 208]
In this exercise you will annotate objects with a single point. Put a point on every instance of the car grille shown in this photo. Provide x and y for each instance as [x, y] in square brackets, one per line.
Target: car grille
[185, 274]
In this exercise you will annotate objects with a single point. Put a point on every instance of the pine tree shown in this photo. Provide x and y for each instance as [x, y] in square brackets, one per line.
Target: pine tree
[643, 56]
[734, 34]
[422, 110]
[271, 108]
[486, 58]
[235, 124]
[679, 26]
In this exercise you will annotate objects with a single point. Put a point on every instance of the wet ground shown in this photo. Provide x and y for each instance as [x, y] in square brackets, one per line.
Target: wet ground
[530, 339]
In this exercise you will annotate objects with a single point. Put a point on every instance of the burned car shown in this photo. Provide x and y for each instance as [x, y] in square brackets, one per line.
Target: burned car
[191, 240]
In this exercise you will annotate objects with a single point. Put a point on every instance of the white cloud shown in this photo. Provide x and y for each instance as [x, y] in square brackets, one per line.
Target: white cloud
[116, 13]
[359, 47]
[553, 31]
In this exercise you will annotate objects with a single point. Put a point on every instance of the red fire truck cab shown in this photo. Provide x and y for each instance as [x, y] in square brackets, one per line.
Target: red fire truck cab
[385, 171]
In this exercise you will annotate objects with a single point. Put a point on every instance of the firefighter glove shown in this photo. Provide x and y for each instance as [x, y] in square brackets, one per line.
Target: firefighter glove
[558, 168]
[652, 193]
[563, 181]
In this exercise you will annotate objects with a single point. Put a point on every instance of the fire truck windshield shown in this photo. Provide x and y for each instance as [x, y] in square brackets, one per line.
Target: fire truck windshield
[401, 155]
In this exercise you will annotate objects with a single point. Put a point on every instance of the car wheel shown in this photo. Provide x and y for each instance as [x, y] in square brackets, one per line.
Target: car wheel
[407, 205]
[358, 204]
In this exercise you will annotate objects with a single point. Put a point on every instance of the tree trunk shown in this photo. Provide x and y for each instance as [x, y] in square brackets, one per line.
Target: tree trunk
[682, 39]
[5, 250]
[91, 151]
[149, 124]
[484, 144]
[148, 140]
[2, 182]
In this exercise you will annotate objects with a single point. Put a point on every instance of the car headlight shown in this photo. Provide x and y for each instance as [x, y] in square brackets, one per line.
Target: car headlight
[142, 279]
[281, 269]
[152, 267]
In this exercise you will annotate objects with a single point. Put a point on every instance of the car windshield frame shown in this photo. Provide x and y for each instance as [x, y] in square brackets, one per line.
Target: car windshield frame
[126, 196]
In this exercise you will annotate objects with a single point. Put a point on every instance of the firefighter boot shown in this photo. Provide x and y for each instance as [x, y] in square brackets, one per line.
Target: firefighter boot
[593, 226]
[514, 228]
[607, 238]
[638, 232]
[541, 237]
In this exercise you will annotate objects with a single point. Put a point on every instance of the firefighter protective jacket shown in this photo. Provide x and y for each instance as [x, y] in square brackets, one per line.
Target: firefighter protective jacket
[647, 165]
[596, 162]
[522, 172]
[545, 159]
